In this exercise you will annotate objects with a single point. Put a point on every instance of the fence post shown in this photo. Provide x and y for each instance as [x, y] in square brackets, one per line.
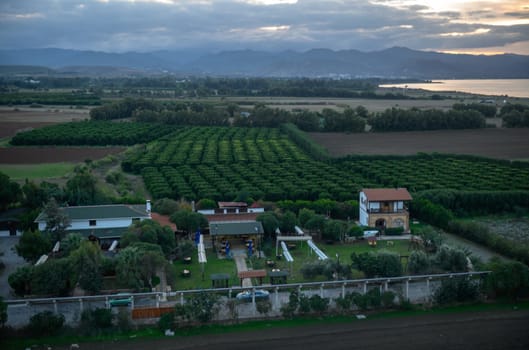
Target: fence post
[181, 298]
[277, 297]
[81, 304]
[321, 290]
[365, 287]
[55, 306]
[408, 289]
[343, 290]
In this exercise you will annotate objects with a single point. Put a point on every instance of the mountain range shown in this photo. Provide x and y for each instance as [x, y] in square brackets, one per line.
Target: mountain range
[396, 62]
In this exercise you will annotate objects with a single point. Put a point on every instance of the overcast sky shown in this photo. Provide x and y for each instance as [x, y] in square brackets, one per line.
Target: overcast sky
[495, 26]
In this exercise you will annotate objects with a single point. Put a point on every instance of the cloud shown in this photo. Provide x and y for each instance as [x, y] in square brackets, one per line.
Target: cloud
[144, 25]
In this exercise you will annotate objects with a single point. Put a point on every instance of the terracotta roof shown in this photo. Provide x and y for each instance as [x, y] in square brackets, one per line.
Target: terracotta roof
[233, 205]
[232, 217]
[252, 274]
[387, 194]
[163, 220]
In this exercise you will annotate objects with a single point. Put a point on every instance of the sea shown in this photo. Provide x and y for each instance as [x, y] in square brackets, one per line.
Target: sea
[496, 87]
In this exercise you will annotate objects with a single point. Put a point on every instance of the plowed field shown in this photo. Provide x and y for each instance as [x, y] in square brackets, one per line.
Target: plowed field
[493, 143]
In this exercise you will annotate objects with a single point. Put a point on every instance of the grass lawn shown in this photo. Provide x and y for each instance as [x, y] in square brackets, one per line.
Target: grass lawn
[214, 265]
[36, 171]
[301, 254]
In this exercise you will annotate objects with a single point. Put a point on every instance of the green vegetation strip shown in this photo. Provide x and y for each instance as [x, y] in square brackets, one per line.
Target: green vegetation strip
[37, 171]
[153, 333]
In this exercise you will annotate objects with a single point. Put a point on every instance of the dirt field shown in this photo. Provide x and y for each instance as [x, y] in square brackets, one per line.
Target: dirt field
[37, 155]
[494, 143]
[13, 120]
[484, 330]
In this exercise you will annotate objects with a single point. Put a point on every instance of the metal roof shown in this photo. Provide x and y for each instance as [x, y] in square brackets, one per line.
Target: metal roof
[102, 232]
[112, 211]
[232, 204]
[387, 194]
[225, 228]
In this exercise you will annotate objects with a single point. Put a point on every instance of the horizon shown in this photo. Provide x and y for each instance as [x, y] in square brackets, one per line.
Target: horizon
[213, 52]
[120, 26]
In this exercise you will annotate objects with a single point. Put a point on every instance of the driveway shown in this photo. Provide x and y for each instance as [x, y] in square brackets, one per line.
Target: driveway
[11, 260]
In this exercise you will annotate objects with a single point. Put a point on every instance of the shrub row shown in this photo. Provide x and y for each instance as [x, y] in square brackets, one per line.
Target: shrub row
[98, 133]
[477, 202]
[396, 119]
[27, 98]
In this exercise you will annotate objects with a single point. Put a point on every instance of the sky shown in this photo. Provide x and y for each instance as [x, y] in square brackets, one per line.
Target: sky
[455, 26]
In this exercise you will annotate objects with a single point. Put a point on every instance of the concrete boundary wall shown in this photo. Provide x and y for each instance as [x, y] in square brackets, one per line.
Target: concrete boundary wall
[417, 289]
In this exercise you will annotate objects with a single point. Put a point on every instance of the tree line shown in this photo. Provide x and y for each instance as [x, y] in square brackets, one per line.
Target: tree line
[515, 115]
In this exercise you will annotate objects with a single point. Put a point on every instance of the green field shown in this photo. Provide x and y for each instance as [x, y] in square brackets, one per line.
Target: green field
[44, 171]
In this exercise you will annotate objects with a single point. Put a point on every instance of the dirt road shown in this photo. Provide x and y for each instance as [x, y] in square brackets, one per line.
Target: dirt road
[484, 330]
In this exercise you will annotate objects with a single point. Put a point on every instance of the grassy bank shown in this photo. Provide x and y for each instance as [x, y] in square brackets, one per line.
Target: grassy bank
[36, 171]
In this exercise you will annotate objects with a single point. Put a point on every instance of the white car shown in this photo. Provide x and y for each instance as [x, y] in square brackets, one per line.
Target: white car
[247, 295]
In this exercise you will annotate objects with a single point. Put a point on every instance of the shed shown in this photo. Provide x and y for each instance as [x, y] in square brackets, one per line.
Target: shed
[220, 280]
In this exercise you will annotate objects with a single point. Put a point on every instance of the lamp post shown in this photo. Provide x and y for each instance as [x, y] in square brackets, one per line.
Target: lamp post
[259, 241]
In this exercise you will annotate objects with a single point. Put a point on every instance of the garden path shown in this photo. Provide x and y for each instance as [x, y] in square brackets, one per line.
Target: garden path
[240, 262]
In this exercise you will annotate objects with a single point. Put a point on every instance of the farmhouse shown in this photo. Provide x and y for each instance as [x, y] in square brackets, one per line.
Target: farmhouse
[101, 221]
[384, 208]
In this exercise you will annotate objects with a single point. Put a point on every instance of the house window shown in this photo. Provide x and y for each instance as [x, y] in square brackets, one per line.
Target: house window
[92, 223]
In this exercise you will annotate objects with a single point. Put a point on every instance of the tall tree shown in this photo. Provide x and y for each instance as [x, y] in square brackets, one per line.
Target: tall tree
[10, 192]
[128, 268]
[87, 260]
[56, 220]
[81, 188]
[32, 244]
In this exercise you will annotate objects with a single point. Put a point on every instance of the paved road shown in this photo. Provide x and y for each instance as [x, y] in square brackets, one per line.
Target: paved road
[484, 330]
[11, 260]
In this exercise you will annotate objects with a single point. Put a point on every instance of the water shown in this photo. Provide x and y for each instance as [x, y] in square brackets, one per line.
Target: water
[498, 87]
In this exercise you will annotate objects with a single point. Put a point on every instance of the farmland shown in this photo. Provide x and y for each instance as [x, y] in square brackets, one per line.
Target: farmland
[99, 133]
[495, 143]
[223, 161]
[38, 155]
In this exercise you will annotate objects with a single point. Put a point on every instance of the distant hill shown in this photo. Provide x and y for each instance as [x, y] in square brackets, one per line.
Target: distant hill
[396, 62]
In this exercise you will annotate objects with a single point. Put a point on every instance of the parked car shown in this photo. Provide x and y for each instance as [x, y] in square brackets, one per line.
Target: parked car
[247, 295]
[121, 299]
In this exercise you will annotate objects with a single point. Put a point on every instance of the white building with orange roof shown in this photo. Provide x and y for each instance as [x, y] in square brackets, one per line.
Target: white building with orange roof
[384, 208]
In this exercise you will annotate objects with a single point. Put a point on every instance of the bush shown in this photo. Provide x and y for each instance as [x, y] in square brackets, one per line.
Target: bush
[344, 303]
[319, 304]
[96, 321]
[383, 264]
[456, 290]
[388, 299]
[394, 231]
[45, 323]
[450, 259]
[167, 321]
[509, 278]
[418, 262]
